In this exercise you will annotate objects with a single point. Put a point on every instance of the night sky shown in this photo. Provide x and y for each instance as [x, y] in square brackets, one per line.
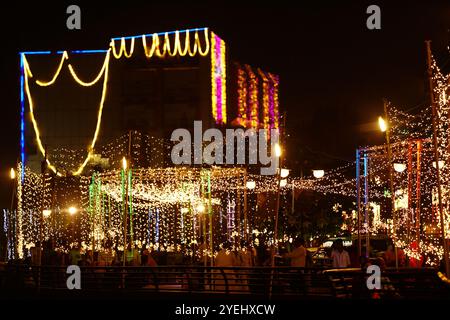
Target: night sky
[334, 71]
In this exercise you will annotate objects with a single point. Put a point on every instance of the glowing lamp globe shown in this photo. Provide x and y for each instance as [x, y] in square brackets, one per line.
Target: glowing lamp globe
[251, 185]
[72, 211]
[441, 164]
[318, 173]
[284, 173]
[46, 213]
[399, 167]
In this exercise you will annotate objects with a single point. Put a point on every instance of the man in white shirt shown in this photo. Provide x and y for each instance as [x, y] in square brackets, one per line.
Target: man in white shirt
[341, 258]
[298, 255]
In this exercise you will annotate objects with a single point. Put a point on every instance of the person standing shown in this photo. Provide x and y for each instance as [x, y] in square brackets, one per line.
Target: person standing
[226, 258]
[341, 258]
[389, 256]
[246, 260]
[298, 255]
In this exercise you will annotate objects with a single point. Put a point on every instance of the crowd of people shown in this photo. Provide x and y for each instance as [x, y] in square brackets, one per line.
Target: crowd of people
[295, 254]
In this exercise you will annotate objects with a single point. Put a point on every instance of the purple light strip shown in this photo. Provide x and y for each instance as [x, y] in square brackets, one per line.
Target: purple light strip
[271, 105]
[219, 67]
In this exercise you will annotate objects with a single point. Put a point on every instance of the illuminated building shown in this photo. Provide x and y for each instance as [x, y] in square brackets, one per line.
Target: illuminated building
[74, 101]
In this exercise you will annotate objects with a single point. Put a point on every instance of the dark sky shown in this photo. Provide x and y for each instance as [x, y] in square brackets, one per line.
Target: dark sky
[334, 71]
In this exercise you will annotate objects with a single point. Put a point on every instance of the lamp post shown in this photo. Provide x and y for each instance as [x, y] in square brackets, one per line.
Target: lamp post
[72, 211]
[384, 127]
[250, 185]
[278, 153]
[125, 210]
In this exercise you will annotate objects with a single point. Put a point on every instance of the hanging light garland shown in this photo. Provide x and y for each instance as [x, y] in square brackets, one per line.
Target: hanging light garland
[103, 72]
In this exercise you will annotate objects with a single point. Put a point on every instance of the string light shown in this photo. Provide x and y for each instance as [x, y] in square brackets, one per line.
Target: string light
[242, 94]
[104, 200]
[266, 94]
[207, 45]
[96, 79]
[177, 46]
[122, 49]
[19, 231]
[104, 71]
[253, 103]
[274, 103]
[218, 79]
[55, 76]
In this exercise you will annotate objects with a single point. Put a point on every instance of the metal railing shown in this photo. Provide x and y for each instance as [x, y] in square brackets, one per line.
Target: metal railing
[231, 281]
[253, 281]
[402, 283]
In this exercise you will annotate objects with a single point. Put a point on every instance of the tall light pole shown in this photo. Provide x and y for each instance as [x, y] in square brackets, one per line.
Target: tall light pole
[385, 127]
[436, 156]
[125, 210]
[278, 153]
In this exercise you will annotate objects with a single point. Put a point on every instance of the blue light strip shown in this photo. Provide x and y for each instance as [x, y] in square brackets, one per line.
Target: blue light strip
[82, 51]
[116, 38]
[35, 52]
[62, 51]
[22, 118]
[88, 51]
[160, 33]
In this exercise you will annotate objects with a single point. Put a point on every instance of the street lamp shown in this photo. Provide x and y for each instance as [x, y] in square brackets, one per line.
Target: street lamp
[278, 153]
[277, 150]
[382, 124]
[124, 163]
[72, 210]
[399, 167]
[318, 173]
[12, 174]
[47, 213]
[440, 162]
[201, 208]
[251, 185]
[384, 128]
[284, 173]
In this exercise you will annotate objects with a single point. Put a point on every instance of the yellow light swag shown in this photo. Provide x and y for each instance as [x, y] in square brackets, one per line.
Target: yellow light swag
[103, 71]
[175, 50]
[56, 75]
[207, 46]
[100, 74]
[122, 49]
